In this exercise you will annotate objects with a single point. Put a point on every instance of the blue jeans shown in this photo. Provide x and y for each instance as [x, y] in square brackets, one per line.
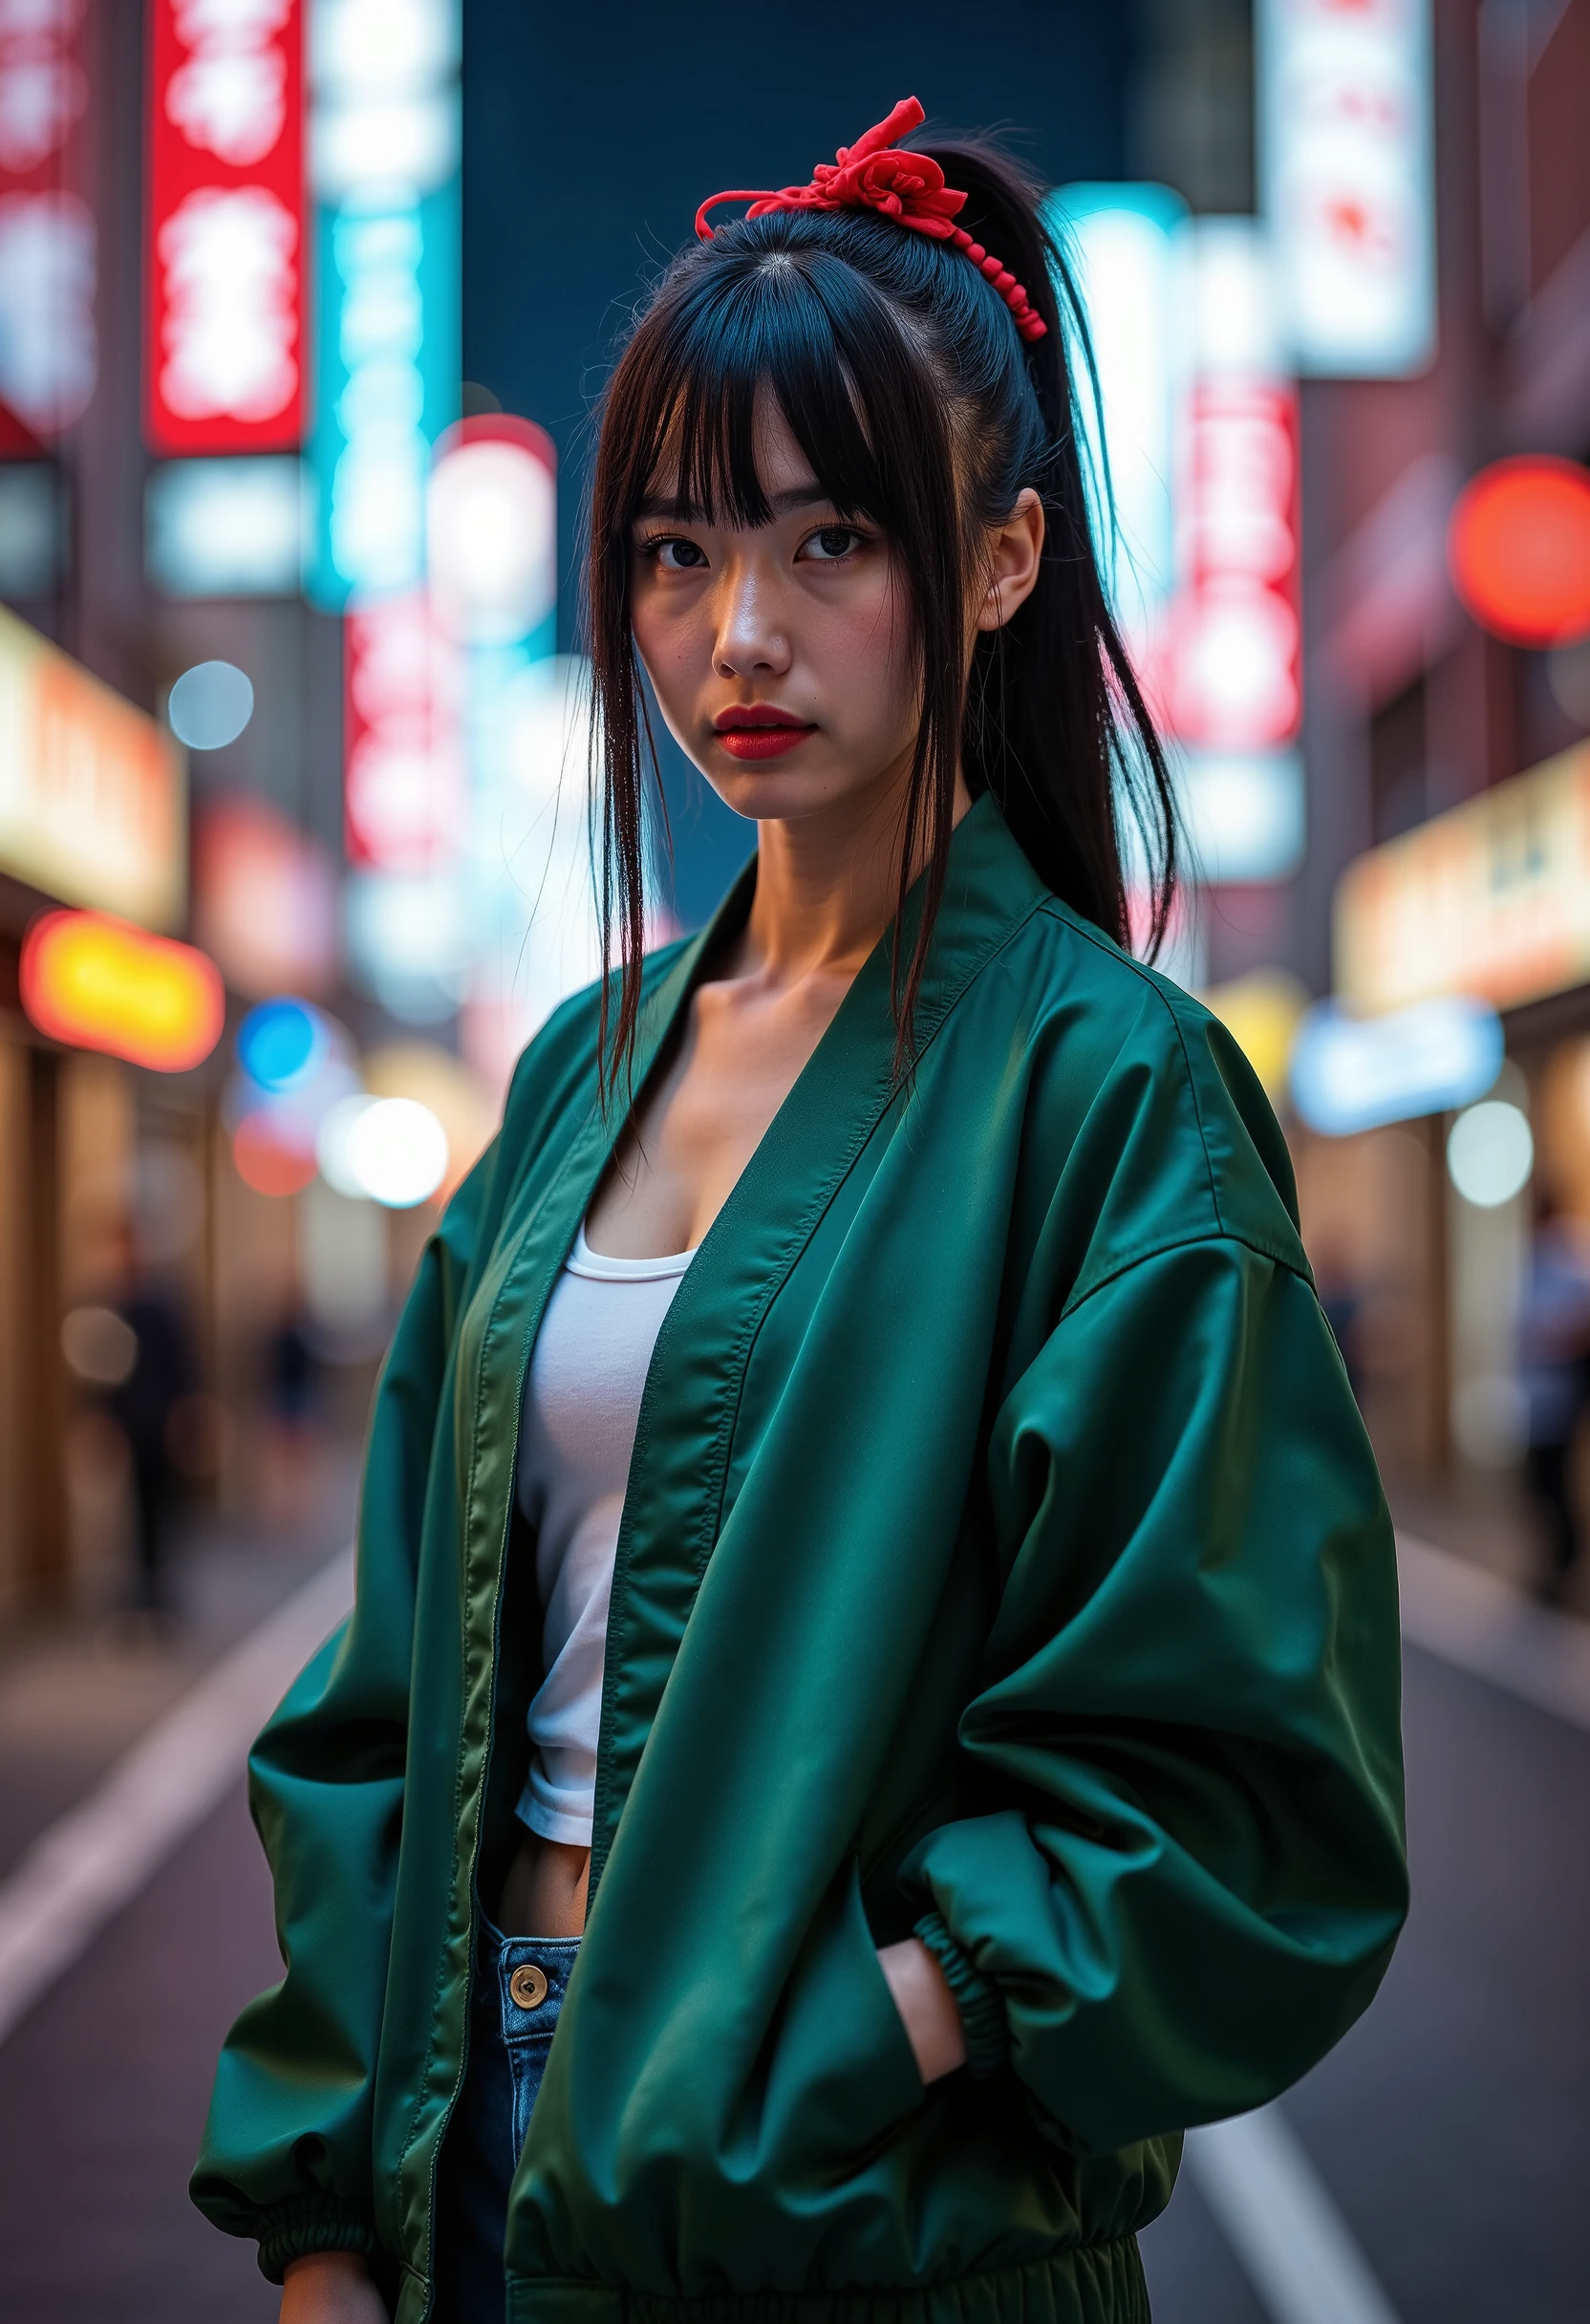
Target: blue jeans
[516, 1999]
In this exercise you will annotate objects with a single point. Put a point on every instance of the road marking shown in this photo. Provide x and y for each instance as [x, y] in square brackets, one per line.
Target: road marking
[95, 1860]
[1488, 1628]
[1274, 2209]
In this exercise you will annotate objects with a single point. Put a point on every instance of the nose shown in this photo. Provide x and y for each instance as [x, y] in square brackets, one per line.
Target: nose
[752, 639]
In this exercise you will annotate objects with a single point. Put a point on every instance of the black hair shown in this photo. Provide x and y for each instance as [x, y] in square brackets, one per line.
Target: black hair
[904, 381]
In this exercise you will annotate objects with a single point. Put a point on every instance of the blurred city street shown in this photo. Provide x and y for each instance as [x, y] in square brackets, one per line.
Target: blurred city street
[305, 306]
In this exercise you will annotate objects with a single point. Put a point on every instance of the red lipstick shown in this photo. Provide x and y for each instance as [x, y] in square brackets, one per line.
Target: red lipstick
[760, 730]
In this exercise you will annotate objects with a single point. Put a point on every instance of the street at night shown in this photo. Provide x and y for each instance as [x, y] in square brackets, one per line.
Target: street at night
[810, 967]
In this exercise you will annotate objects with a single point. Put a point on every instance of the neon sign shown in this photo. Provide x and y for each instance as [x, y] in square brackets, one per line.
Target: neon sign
[1230, 683]
[384, 146]
[49, 346]
[1347, 180]
[223, 340]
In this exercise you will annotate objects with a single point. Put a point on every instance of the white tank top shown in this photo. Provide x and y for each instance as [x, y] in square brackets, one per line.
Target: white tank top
[582, 1401]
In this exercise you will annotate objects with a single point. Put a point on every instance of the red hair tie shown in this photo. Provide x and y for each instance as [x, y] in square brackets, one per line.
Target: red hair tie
[908, 188]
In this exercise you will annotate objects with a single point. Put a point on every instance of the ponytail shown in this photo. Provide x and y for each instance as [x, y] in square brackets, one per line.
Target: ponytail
[1056, 726]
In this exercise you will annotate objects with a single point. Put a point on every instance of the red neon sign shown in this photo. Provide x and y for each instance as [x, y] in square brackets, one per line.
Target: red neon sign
[1235, 678]
[48, 349]
[224, 262]
[403, 775]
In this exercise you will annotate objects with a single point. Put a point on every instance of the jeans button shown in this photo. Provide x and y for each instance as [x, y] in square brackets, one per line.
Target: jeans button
[528, 1986]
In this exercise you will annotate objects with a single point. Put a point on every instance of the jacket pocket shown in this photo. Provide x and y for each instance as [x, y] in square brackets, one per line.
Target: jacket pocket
[842, 2072]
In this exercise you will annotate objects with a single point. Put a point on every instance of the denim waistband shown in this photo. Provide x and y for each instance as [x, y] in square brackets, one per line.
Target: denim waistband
[522, 1981]
[519, 1988]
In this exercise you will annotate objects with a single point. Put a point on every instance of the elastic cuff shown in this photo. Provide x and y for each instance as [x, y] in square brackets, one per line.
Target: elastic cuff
[311, 2222]
[982, 2019]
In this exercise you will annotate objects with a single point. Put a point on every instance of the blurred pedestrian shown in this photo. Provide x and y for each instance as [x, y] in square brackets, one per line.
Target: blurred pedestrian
[1554, 1369]
[1342, 1301]
[291, 1479]
[876, 1618]
[147, 1403]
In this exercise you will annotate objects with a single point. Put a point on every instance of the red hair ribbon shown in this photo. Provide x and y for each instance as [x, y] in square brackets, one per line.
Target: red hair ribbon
[908, 188]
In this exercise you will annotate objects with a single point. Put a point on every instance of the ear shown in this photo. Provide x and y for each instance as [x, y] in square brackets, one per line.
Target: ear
[1014, 549]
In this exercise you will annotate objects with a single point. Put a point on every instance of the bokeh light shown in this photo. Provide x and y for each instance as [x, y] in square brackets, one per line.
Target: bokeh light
[280, 1043]
[267, 1161]
[98, 983]
[491, 531]
[390, 1149]
[455, 1093]
[210, 705]
[1491, 1153]
[100, 1346]
[1518, 547]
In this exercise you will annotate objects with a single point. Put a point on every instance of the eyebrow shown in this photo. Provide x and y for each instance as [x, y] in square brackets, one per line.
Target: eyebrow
[781, 504]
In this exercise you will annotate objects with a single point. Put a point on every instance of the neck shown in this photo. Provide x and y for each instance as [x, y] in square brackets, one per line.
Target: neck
[828, 885]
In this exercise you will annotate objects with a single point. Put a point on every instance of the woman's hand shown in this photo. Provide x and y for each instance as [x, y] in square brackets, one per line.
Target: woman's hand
[329, 2287]
[926, 2007]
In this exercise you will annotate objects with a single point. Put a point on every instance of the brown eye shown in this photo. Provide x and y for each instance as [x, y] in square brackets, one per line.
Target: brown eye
[832, 541]
[677, 556]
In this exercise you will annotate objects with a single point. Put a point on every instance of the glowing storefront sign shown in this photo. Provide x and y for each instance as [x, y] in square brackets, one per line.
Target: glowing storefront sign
[98, 983]
[1355, 1073]
[224, 267]
[91, 794]
[1491, 898]
[49, 346]
[1345, 155]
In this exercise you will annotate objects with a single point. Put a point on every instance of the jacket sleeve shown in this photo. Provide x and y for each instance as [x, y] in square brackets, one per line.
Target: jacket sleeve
[287, 2150]
[1191, 1873]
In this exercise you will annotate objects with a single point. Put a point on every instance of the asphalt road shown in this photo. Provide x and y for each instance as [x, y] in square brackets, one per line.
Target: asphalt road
[1451, 2127]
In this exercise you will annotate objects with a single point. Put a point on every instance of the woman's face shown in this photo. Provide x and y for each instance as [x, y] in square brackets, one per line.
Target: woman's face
[779, 655]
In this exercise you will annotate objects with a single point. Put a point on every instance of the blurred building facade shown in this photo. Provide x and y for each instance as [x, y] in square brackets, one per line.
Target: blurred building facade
[1415, 706]
[1414, 702]
[152, 515]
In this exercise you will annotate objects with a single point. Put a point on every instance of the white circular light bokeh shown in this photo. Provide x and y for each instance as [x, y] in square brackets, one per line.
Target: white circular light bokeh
[210, 705]
[1489, 1153]
[388, 1149]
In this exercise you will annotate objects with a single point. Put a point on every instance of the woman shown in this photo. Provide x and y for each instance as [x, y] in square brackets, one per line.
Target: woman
[918, 1685]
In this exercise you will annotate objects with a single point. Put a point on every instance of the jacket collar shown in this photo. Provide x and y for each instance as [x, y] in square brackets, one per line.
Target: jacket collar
[989, 889]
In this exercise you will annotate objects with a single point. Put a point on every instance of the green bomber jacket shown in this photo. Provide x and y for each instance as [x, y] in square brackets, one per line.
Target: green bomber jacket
[1002, 1559]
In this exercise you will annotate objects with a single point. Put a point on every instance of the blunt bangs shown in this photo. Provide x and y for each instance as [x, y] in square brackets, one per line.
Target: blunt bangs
[801, 331]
